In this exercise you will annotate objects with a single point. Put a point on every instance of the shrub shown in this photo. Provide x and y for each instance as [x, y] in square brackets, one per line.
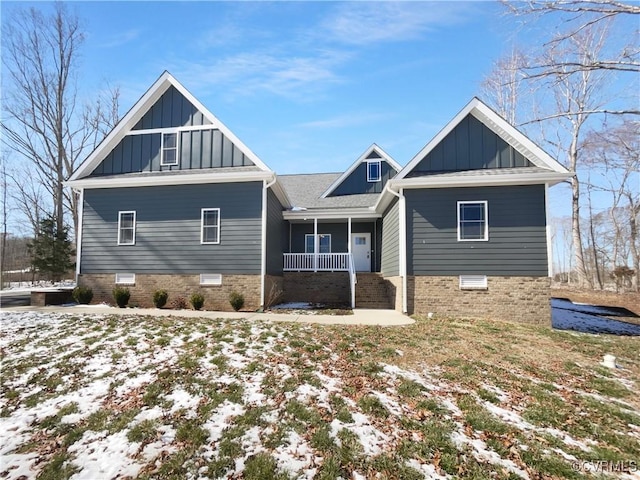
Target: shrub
[82, 295]
[197, 301]
[121, 295]
[179, 303]
[160, 298]
[236, 300]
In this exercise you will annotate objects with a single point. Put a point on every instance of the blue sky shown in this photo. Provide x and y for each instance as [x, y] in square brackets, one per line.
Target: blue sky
[308, 86]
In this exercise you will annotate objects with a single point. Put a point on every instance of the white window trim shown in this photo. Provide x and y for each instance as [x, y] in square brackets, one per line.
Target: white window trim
[210, 279]
[125, 278]
[486, 220]
[369, 178]
[123, 212]
[319, 235]
[202, 226]
[473, 282]
[162, 162]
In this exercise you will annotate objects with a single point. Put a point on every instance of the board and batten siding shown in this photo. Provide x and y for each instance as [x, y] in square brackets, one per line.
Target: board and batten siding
[168, 229]
[517, 244]
[197, 149]
[277, 235]
[390, 258]
[170, 111]
[470, 145]
[357, 183]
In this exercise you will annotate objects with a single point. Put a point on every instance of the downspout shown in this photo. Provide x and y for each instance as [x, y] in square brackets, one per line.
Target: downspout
[79, 233]
[402, 227]
[263, 266]
[548, 232]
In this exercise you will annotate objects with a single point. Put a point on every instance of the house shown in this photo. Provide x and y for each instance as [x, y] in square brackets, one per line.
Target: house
[172, 199]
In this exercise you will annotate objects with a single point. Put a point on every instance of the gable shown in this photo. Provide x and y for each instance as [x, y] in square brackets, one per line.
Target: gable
[167, 129]
[356, 182]
[471, 145]
[172, 110]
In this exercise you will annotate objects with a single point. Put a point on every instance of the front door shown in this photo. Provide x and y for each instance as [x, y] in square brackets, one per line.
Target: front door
[361, 251]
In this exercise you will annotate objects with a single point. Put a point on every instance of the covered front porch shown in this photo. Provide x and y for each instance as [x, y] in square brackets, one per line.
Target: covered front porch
[318, 245]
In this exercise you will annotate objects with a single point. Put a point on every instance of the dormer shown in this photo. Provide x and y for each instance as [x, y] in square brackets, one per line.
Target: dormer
[368, 174]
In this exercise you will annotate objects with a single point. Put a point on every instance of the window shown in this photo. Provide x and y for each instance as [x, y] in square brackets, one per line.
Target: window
[210, 225]
[125, 278]
[472, 221]
[360, 240]
[373, 171]
[127, 228]
[210, 279]
[169, 149]
[324, 242]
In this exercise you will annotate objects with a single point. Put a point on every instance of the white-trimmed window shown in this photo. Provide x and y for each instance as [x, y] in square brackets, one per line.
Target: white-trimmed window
[169, 149]
[125, 278]
[210, 279]
[473, 225]
[373, 171]
[210, 226]
[127, 228]
[324, 243]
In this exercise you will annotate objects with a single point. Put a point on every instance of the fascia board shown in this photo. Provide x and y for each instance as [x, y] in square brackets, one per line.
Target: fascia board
[383, 156]
[550, 178]
[281, 193]
[154, 180]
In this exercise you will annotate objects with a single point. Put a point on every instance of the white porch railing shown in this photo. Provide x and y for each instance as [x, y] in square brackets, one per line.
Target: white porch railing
[323, 262]
[312, 262]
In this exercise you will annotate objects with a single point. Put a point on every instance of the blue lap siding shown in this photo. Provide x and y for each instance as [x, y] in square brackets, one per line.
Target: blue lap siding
[517, 242]
[168, 229]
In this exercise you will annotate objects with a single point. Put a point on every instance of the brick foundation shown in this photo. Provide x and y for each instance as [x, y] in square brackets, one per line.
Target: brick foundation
[320, 287]
[216, 296]
[394, 287]
[522, 299]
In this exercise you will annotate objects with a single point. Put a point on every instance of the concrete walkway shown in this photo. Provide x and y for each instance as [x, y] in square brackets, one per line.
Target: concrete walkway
[360, 316]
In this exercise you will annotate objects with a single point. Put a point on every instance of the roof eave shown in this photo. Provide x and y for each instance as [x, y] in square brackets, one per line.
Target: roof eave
[550, 178]
[332, 214]
[157, 180]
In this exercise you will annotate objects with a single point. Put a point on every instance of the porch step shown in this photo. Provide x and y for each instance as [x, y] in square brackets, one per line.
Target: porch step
[372, 291]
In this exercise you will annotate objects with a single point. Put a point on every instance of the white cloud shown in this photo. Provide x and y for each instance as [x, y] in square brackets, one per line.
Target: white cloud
[122, 38]
[362, 23]
[281, 74]
[347, 120]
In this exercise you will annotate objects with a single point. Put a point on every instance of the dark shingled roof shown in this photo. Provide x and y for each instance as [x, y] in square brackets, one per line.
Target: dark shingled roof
[305, 191]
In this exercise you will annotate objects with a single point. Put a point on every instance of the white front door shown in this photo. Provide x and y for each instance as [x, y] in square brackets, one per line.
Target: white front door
[361, 251]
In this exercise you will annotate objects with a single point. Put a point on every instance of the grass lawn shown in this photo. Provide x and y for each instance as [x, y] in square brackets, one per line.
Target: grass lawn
[101, 397]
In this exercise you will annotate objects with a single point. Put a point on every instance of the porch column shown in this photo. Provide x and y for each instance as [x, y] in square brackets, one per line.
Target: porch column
[316, 244]
[349, 236]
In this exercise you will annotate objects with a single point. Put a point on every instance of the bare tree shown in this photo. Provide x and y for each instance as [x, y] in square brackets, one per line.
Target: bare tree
[4, 184]
[503, 86]
[575, 16]
[45, 123]
[614, 153]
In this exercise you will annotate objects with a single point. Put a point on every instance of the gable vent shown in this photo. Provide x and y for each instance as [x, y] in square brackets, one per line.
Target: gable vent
[473, 282]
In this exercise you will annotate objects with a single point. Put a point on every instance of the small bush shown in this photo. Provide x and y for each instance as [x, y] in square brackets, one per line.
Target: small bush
[82, 295]
[121, 295]
[179, 303]
[160, 298]
[236, 300]
[197, 301]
